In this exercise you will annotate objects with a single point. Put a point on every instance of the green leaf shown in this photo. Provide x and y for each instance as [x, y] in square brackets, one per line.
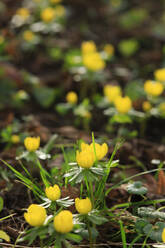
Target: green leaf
[1, 203]
[44, 95]
[73, 237]
[135, 90]
[4, 236]
[120, 118]
[62, 108]
[96, 219]
[128, 47]
[136, 188]
[140, 224]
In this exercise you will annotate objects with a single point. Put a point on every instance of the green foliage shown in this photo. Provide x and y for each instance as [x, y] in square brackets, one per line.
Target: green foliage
[133, 18]
[128, 47]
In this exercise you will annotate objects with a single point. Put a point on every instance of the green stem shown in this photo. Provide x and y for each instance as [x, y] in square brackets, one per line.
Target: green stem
[90, 234]
[91, 193]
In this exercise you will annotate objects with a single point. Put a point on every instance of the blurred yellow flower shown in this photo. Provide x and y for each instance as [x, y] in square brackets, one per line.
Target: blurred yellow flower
[123, 104]
[93, 61]
[53, 193]
[23, 13]
[35, 215]
[109, 49]
[160, 74]
[85, 158]
[28, 35]
[71, 97]
[1, 39]
[59, 11]
[146, 106]
[88, 47]
[163, 235]
[63, 222]
[111, 92]
[153, 88]
[48, 14]
[55, 1]
[83, 206]
[32, 143]
[15, 139]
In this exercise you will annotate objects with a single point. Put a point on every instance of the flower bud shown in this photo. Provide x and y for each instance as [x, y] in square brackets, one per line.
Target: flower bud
[83, 206]
[63, 222]
[32, 143]
[53, 193]
[35, 215]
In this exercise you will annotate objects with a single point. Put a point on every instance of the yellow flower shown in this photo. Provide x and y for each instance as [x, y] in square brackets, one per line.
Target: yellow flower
[32, 143]
[160, 74]
[163, 235]
[35, 215]
[146, 106]
[83, 206]
[93, 61]
[88, 47]
[53, 193]
[85, 158]
[23, 12]
[59, 11]
[28, 35]
[55, 1]
[1, 39]
[63, 222]
[123, 104]
[109, 49]
[101, 150]
[48, 14]
[112, 92]
[71, 97]
[153, 88]
[15, 139]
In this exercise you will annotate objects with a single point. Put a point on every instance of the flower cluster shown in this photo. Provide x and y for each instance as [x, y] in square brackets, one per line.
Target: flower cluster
[92, 60]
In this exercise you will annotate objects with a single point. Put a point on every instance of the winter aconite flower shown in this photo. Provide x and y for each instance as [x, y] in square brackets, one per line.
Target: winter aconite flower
[146, 106]
[32, 143]
[85, 158]
[109, 49]
[153, 88]
[15, 139]
[23, 13]
[93, 61]
[48, 14]
[88, 47]
[83, 206]
[163, 235]
[28, 35]
[63, 222]
[112, 92]
[35, 215]
[123, 104]
[101, 150]
[71, 97]
[53, 193]
[160, 74]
